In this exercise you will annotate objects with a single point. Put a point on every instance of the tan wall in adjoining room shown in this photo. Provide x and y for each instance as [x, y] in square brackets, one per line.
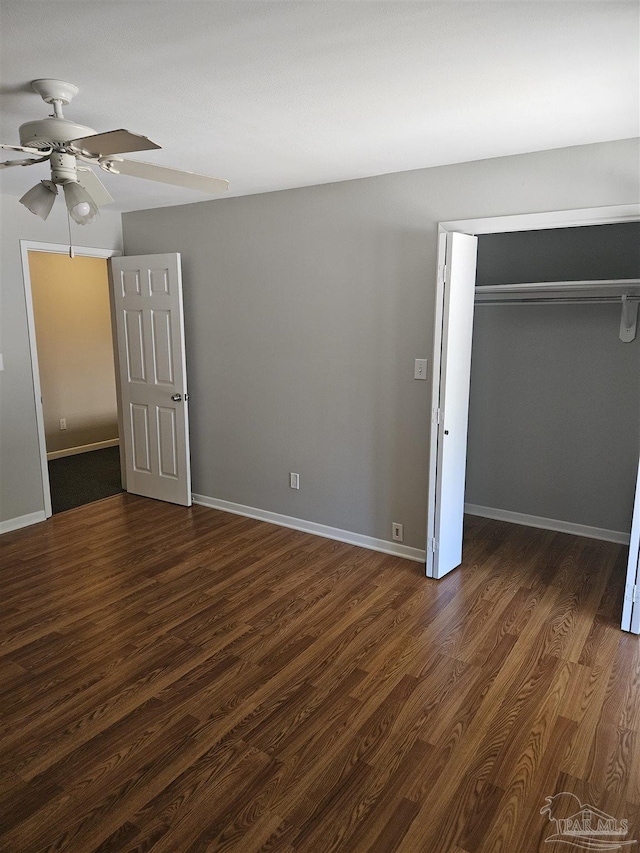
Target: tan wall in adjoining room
[75, 349]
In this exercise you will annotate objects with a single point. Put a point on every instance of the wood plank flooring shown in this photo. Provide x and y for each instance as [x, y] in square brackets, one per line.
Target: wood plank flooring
[178, 680]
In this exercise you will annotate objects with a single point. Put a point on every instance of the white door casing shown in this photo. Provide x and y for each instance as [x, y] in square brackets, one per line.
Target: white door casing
[147, 297]
[454, 329]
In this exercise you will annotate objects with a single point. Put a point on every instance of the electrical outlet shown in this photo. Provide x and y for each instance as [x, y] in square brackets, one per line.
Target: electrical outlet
[294, 480]
[63, 423]
[397, 532]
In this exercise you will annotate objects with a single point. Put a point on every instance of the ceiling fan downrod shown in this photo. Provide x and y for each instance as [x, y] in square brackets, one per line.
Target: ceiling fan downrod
[57, 108]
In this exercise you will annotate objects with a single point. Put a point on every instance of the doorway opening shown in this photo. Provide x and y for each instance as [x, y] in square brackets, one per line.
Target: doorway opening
[455, 295]
[554, 405]
[71, 338]
[148, 352]
[73, 329]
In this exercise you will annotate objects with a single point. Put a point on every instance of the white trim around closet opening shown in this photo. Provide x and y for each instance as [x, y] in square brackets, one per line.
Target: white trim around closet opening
[550, 219]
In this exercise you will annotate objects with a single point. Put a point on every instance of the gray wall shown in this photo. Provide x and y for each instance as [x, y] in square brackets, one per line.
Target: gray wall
[20, 478]
[560, 254]
[554, 415]
[304, 310]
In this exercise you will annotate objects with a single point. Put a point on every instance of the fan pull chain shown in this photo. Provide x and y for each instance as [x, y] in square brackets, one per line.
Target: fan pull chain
[71, 252]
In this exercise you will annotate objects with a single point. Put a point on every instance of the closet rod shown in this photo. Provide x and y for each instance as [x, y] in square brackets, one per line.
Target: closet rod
[611, 290]
[561, 300]
[625, 292]
[527, 287]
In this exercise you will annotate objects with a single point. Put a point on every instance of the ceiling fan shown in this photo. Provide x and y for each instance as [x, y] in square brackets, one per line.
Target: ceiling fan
[72, 149]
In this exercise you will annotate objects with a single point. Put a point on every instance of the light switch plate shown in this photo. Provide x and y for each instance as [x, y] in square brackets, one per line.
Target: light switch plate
[420, 368]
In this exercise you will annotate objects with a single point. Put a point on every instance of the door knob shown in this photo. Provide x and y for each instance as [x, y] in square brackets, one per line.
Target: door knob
[176, 398]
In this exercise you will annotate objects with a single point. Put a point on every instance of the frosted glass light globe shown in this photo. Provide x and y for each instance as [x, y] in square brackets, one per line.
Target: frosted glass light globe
[79, 203]
[83, 208]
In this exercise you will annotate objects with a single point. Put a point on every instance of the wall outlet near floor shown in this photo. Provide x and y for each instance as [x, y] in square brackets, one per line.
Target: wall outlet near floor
[397, 532]
[294, 480]
[63, 423]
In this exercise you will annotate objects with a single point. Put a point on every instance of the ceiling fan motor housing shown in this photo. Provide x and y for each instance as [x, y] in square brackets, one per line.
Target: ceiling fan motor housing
[51, 132]
[63, 168]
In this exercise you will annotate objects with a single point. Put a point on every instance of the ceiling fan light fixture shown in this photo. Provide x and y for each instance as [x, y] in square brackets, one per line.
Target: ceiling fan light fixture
[40, 199]
[69, 147]
[81, 206]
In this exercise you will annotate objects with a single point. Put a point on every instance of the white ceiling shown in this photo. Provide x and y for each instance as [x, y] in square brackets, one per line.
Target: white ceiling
[272, 95]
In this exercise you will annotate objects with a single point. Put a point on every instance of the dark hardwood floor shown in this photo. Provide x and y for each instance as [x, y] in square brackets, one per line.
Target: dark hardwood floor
[179, 680]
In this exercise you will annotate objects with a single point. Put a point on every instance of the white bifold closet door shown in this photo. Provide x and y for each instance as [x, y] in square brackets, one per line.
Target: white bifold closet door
[452, 377]
[147, 293]
[631, 607]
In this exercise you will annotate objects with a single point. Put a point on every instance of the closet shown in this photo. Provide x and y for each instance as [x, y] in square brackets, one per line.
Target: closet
[554, 408]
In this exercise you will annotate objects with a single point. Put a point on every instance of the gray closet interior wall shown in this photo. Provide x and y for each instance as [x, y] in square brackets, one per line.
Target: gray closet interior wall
[554, 417]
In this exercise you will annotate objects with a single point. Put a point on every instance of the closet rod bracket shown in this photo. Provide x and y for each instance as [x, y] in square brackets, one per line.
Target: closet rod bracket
[629, 320]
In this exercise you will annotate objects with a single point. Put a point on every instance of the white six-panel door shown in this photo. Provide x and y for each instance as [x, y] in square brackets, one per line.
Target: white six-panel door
[152, 376]
[452, 367]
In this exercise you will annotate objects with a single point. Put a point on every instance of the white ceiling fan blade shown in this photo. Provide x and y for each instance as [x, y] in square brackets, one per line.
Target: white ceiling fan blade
[88, 179]
[26, 162]
[22, 148]
[112, 142]
[165, 175]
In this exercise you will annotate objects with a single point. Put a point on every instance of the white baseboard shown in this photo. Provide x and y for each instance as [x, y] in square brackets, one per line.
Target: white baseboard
[22, 521]
[83, 448]
[549, 523]
[386, 547]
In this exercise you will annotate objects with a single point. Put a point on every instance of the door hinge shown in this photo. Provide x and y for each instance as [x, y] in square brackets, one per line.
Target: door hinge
[442, 273]
[433, 545]
[437, 416]
[634, 595]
